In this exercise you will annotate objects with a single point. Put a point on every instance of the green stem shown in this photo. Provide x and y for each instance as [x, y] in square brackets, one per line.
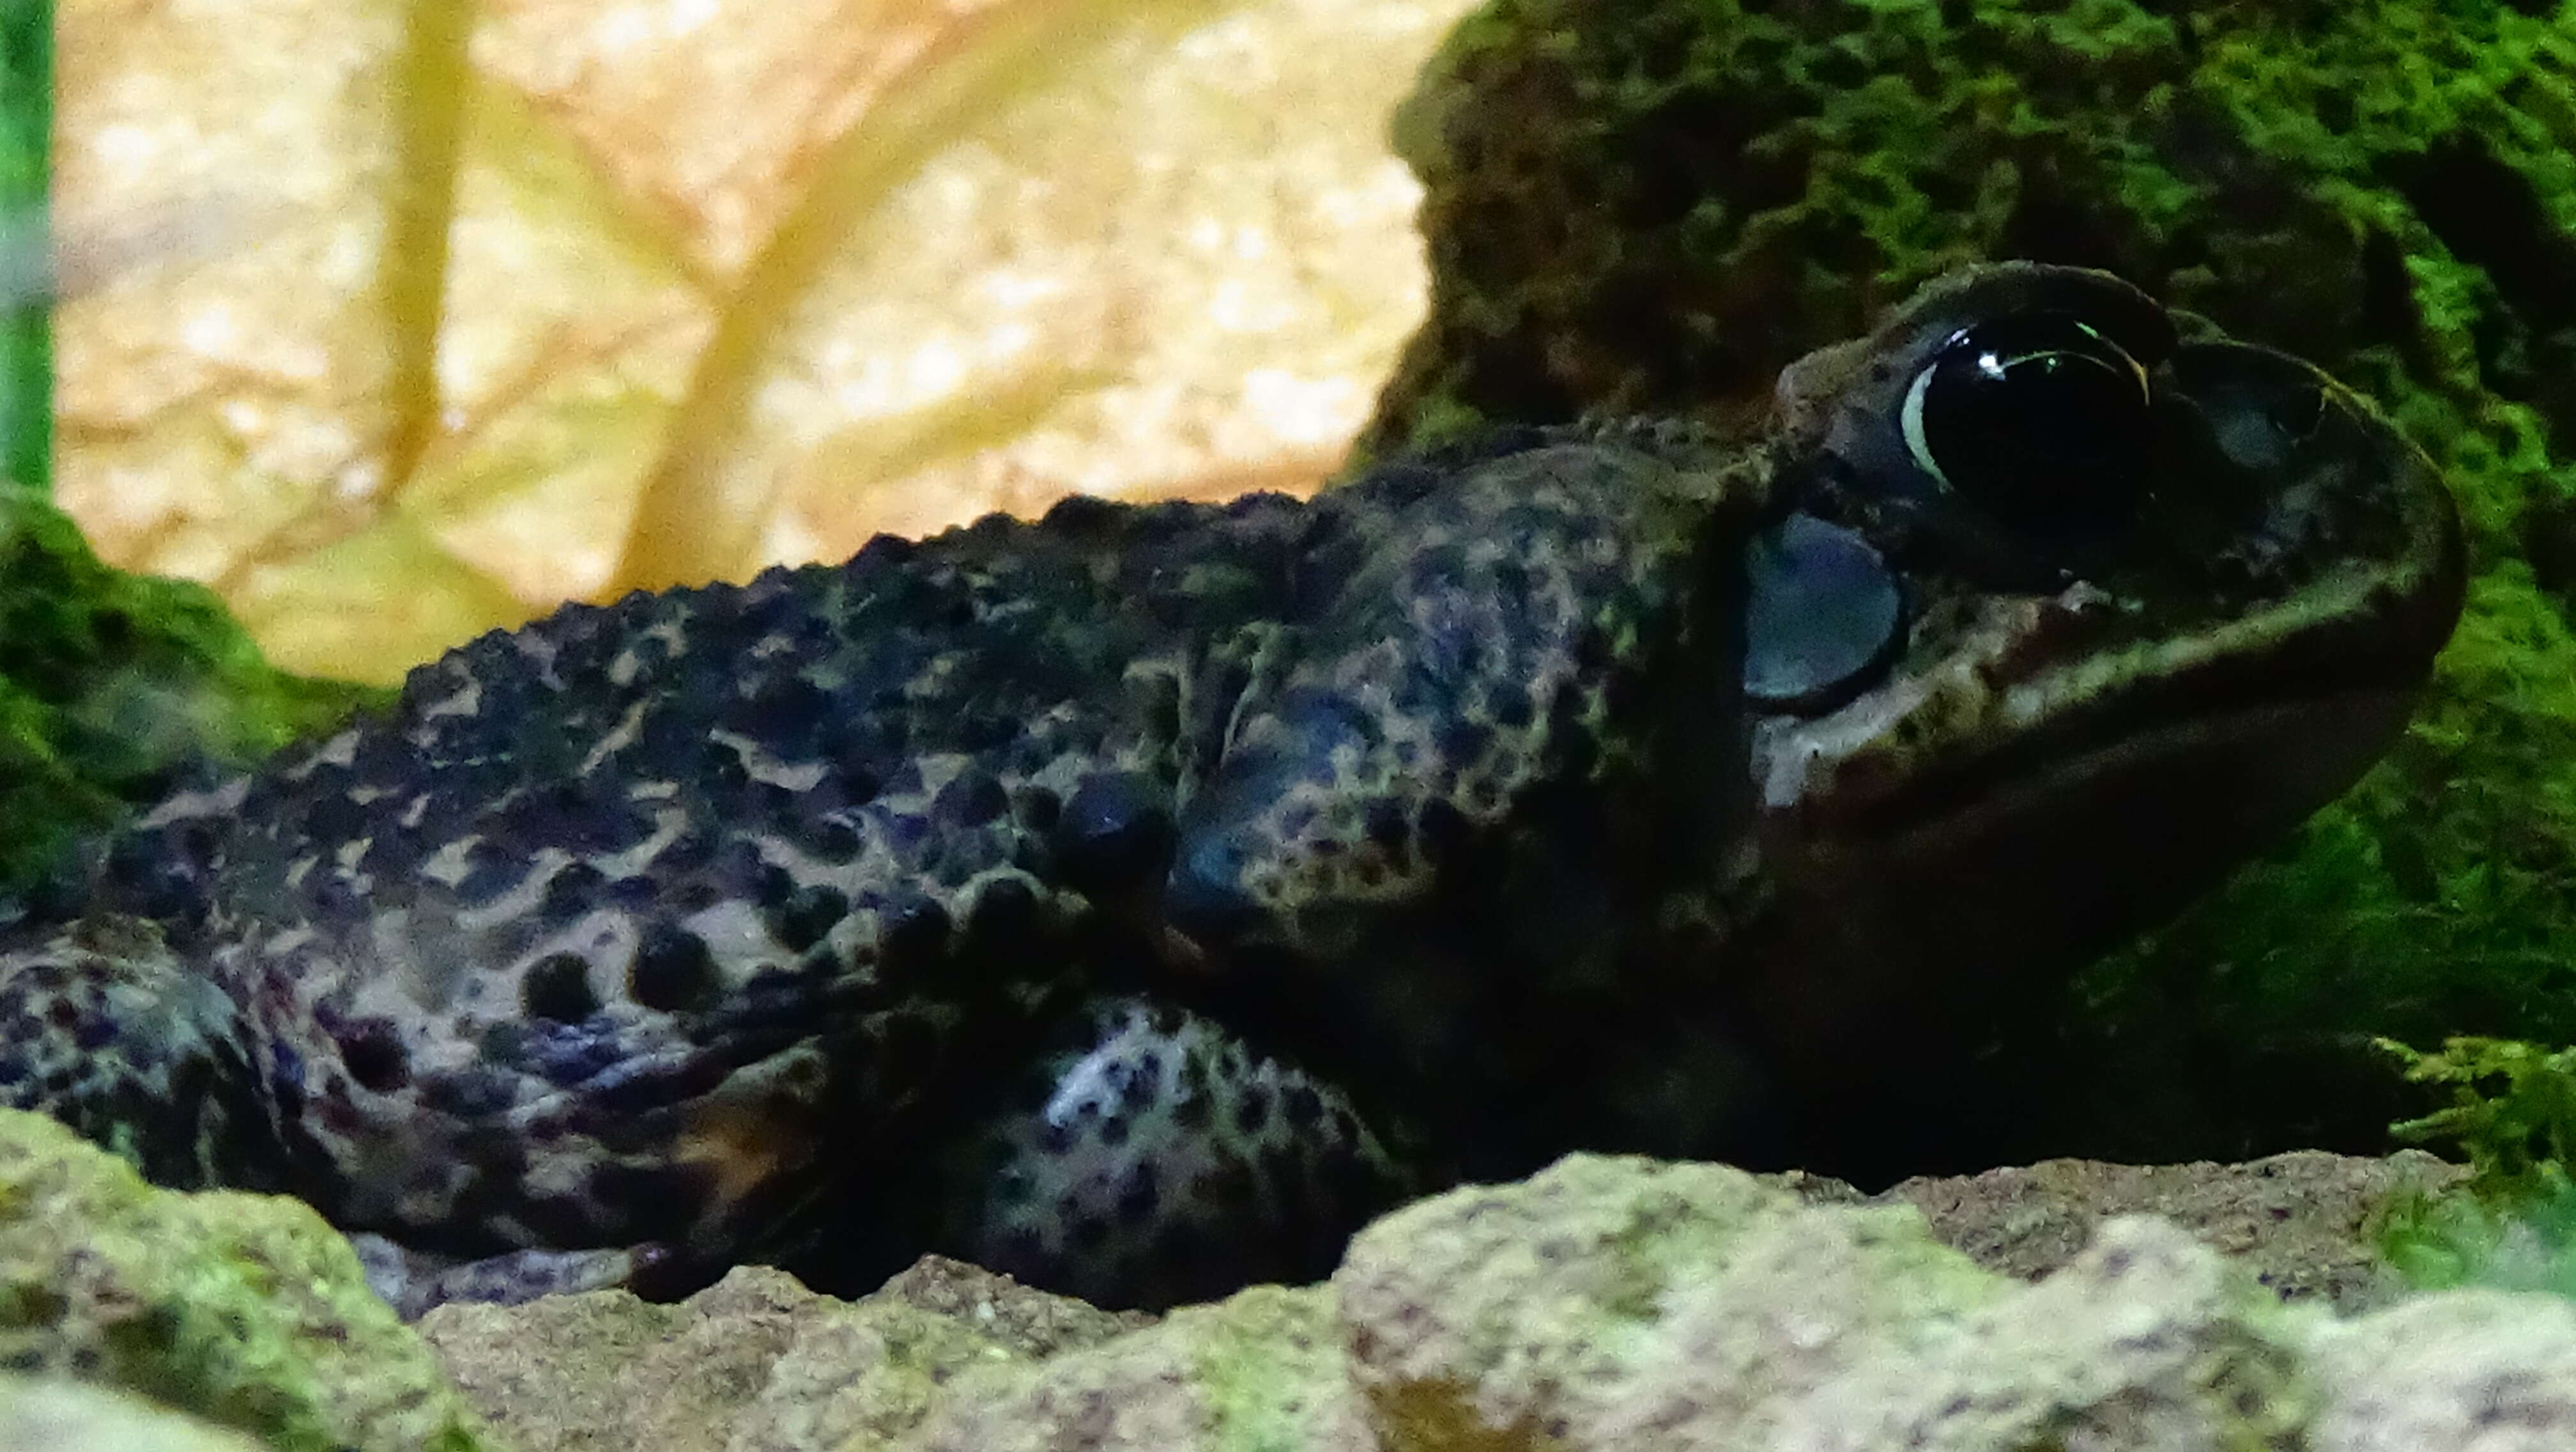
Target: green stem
[26, 337]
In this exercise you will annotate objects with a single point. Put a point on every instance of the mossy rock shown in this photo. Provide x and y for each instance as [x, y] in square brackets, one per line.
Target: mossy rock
[245, 1310]
[37, 1415]
[114, 686]
[1650, 207]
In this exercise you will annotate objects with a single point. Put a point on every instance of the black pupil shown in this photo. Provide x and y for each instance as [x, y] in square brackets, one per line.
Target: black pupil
[2038, 417]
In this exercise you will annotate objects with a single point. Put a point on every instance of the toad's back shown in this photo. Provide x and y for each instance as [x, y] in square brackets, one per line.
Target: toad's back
[619, 927]
[705, 849]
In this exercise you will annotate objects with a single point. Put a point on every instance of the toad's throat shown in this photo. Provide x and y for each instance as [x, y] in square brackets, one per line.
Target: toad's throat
[1972, 891]
[2083, 808]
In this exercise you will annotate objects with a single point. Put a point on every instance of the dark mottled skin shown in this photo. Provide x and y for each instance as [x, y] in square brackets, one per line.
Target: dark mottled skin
[1074, 891]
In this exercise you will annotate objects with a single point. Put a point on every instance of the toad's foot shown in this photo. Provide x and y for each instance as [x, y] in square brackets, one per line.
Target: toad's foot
[413, 1281]
[1150, 1157]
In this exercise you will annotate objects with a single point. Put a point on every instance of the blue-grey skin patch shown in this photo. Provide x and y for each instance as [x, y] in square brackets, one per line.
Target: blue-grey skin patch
[1822, 614]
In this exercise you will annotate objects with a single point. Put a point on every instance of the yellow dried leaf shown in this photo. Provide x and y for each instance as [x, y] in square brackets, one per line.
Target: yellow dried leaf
[543, 299]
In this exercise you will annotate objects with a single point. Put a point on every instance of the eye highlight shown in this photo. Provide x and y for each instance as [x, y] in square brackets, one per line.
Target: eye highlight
[2037, 417]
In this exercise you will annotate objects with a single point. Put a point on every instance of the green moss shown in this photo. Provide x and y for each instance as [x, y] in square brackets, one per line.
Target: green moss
[1652, 207]
[2512, 1113]
[113, 685]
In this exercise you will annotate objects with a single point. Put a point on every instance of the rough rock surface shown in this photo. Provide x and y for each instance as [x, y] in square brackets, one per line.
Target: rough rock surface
[2301, 1222]
[65, 1416]
[753, 1363]
[246, 1310]
[1620, 1303]
[1261, 1369]
[1613, 1303]
[2492, 1370]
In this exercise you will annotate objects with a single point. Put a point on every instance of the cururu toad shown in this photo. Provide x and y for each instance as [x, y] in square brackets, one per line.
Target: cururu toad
[1138, 897]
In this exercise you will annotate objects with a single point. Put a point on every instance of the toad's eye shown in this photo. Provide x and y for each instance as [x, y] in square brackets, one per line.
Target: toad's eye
[2035, 417]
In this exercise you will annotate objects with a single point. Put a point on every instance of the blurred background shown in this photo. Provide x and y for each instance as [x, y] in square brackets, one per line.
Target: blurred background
[423, 318]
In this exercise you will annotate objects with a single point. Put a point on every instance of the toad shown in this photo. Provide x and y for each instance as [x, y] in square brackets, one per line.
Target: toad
[1137, 898]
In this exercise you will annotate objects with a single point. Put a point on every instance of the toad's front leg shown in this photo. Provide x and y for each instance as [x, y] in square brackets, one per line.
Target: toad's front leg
[1142, 1155]
[413, 1281]
[1148, 1156]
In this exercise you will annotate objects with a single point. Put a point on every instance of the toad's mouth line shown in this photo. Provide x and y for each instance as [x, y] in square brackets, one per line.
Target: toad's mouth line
[2232, 776]
[2289, 706]
[2291, 727]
